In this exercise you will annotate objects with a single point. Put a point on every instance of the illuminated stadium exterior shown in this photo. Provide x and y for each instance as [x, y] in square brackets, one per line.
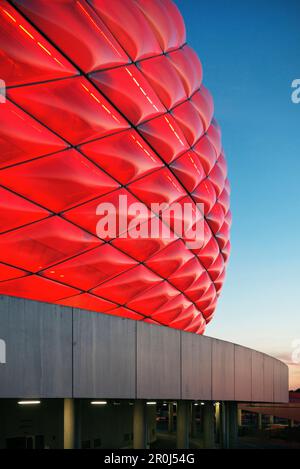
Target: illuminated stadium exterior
[95, 112]
[99, 112]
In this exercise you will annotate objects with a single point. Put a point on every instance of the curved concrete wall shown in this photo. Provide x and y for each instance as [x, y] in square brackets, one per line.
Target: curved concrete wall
[55, 351]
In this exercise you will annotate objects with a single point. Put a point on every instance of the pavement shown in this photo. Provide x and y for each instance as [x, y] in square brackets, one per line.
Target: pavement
[168, 441]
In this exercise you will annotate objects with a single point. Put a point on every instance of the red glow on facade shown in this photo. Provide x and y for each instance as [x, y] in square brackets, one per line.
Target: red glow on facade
[96, 108]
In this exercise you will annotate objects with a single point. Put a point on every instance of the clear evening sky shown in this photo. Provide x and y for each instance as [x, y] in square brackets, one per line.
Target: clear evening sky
[250, 51]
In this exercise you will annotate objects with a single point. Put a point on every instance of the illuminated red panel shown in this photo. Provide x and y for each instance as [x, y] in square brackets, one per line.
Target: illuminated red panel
[197, 325]
[171, 310]
[23, 138]
[151, 321]
[209, 311]
[25, 55]
[77, 181]
[88, 270]
[126, 286]
[36, 288]
[127, 88]
[17, 211]
[166, 22]
[200, 285]
[215, 218]
[88, 301]
[214, 136]
[183, 321]
[73, 108]
[125, 155]
[171, 90]
[125, 313]
[44, 243]
[226, 251]
[77, 30]
[206, 299]
[187, 274]
[170, 259]
[222, 163]
[220, 280]
[7, 272]
[148, 302]
[217, 179]
[87, 216]
[206, 153]
[72, 84]
[223, 234]
[129, 25]
[94, 303]
[190, 122]
[189, 68]
[165, 136]
[216, 268]
[142, 249]
[205, 194]
[224, 198]
[159, 187]
[209, 253]
[189, 170]
[203, 102]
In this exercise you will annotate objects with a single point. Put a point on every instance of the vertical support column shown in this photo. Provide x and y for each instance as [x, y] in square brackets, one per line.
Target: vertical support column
[170, 418]
[201, 414]
[78, 417]
[182, 424]
[240, 417]
[224, 441]
[271, 421]
[233, 424]
[139, 425]
[259, 422]
[72, 423]
[218, 421]
[291, 423]
[201, 419]
[69, 424]
[150, 424]
[208, 425]
[193, 420]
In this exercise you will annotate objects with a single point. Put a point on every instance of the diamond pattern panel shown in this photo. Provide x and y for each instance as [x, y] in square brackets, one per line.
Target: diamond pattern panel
[96, 109]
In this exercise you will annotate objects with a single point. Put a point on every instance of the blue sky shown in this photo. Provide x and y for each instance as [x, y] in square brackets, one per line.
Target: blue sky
[250, 51]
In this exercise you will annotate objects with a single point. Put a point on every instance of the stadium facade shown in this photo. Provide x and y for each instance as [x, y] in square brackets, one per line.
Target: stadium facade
[101, 318]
